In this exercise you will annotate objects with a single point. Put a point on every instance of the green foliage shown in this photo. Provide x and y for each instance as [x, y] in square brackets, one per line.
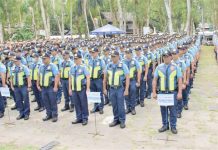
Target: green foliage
[22, 34]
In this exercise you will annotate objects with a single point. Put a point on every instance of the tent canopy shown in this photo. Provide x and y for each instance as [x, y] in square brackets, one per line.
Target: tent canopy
[107, 30]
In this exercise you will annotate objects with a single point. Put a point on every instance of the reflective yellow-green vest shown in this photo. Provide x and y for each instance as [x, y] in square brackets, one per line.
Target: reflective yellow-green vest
[19, 77]
[132, 69]
[115, 75]
[167, 77]
[46, 76]
[96, 70]
[77, 78]
[65, 69]
[34, 73]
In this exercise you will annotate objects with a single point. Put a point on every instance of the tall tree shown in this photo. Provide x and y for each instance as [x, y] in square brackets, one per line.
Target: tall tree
[169, 15]
[188, 21]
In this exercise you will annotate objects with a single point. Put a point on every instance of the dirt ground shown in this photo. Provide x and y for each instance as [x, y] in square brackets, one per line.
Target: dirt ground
[198, 128]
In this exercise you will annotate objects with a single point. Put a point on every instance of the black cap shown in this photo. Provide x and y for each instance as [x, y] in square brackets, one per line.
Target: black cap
[17, 58]
[115, 53]
[66, 53]
[46, 55]
[138, 48]
[54, 49]
[77, 55]
[166, 53]
[128, 50]
[95, 49]
[175, 51]
[35, 55]
[106, 49]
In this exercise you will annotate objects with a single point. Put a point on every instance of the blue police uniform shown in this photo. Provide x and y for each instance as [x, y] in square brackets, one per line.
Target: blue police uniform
[133, 66]
[64, 75]
[168, 76]
[96, 67]
[34, 70]
[2, 104]
[180, 104]
[150, 58]
[57, 61]
[19, 76]
[107, 60]
[116, 77]
[140, 95]
[78, 78]
[47, 75]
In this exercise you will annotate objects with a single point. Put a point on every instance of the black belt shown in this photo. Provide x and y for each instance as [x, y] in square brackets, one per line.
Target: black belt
[115, 87]
[95, 78]
[64, 78]
[19, 86]
[166, 92]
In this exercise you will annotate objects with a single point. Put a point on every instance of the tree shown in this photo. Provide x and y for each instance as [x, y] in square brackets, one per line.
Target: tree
[169, 15]
[188, 21]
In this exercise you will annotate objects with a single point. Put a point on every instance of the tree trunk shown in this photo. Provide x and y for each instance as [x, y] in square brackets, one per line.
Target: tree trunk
[71, 17]
[44, 18]
[1, 33]
[148, 13]
[56, 17]
[85, 15]
[169, 15]
[8, 19]
[188, 20]
[33, 22]
[120, 12]
[62, 20]
[90, 13]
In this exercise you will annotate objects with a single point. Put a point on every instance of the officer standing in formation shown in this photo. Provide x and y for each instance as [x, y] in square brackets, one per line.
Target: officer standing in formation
[117, 76]
[47, 83]
[135, 78]
[169, 76]
[79, 85]
[2, 84]
[64, 75]
[21, 85]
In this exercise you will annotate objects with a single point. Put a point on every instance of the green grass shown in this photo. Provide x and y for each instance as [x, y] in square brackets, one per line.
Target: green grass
[11, 146]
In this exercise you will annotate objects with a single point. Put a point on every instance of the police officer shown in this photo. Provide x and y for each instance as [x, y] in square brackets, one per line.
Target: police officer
[21, 85]
[143, 63]
[135, 77]
[181, 64]
[107, 60]
[55, 59]
[64, 75]
[79, 85]
[47, 83]
[96, 68]
[2, 84]
[117, 76]
[34, 70]
[150, 58]
[169, 76]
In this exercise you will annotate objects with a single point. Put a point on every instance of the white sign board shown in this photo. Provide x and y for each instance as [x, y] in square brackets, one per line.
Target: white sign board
[5, 91]
[165, 99]
[146, 30]
[94, 97]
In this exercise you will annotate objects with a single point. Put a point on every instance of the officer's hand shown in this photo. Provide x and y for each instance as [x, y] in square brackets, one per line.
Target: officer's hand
[137, 84]
[191, 76]
[183, 86]
[179, 96]
[87, 90]
[154, 95]
[126, 93]
[70, 92]
[29, 89]
[12, 88]
[105, 92]
[55, 89]
[39, 88]
[145, 78]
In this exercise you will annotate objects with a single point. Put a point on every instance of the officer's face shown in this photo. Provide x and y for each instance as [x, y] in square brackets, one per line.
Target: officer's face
[46, 60]
[128, 55]
[78, 61]
[138, 52]
[115, 58]
[175, 56]
[66, 56]
[94, 54]
[17, 62]
[167, 59]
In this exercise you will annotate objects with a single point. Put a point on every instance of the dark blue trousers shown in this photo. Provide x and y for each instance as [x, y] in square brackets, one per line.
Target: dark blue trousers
[37, 94]
[68, 99]
[131, 98]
